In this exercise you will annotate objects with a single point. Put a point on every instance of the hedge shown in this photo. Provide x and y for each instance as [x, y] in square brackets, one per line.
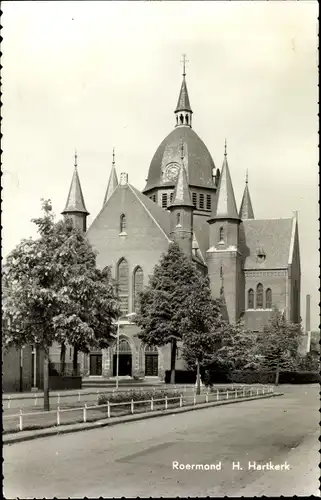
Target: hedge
[136, 395]
[245, 377]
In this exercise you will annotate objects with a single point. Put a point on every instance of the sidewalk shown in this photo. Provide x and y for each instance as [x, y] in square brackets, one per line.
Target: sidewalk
[64, 429]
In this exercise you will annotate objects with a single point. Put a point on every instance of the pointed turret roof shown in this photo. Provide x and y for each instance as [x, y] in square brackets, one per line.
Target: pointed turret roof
[246, 210]
[226, 205]
[75, 200]
[112, 182]
[182, 195]
[183, 103]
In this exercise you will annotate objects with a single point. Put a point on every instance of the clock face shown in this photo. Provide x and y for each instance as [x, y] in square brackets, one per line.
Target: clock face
[172, 171]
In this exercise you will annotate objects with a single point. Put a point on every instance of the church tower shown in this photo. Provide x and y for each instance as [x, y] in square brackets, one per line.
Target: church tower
[75, 206]
[224, 258]
[181, 210]
[183, 111]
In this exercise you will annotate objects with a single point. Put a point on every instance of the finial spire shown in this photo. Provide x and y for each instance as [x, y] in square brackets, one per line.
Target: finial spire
[184, 61]
[225, 148]
[182, 150]
[247, 176]
[76, 159]
[112, 182]
[246, 210]
[113, 156]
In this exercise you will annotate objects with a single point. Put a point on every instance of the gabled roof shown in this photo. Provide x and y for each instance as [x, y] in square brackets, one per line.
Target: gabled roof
[274, 236]
[226, 205]
[183, 103]
[246, 210]
[161, 216]
[75, 200]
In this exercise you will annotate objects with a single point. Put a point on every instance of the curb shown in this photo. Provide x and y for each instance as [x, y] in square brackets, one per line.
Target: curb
[40, 433]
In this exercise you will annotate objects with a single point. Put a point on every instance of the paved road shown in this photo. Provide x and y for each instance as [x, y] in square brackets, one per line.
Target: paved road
[136, 459]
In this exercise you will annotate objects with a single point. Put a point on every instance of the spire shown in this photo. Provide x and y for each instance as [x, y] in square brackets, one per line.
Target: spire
[183, 109]
[75, 201]
[113, 181]
[246, 210]
[226, 206]
[182, 196]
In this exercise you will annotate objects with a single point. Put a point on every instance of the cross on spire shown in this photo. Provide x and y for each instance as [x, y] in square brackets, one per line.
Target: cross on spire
[184, 61]
[225, 149]
[113, 156]
[76, 159]
[247, 176]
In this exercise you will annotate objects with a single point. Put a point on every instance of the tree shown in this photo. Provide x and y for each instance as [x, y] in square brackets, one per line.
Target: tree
[202, 319]
[163, 304]
[55, 293]
[238, 348]
[278, 344]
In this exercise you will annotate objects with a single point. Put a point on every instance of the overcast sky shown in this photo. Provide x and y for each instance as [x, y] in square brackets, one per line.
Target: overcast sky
[93, 75]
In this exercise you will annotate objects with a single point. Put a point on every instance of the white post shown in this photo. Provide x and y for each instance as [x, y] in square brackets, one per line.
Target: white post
[117, 355]
[152, 404]
[235, 393]
[217, 395]
[58, 416]
[20, 421]
[227, 394]
[251, 391]
[166, 403]
[58, 399]
[194, 402]
[34, 352]
[35, 399]
[79, 396]
[243, 392]
[181, 401]
[132, 406]
[206, 397]
[257, 391]
[108, 409]
[85, 413]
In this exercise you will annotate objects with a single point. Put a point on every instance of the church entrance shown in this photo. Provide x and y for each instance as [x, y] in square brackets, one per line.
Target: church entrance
[95, 364]
[151, 361]
[125, 359]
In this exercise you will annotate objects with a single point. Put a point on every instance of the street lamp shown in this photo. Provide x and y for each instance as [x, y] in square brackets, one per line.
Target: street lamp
[117, 344]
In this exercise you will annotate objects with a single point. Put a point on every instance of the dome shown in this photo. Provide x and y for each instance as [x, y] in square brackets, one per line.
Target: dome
[197, 160]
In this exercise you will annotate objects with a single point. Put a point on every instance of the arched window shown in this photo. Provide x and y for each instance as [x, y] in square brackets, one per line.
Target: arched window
[138, 285]
[250, 299]
[122, 285]
[221, 234]
[186, 119]
[124, 347]
[259, 296]
[151, 349]
[122, 223]
[178, 219]
[268, 298]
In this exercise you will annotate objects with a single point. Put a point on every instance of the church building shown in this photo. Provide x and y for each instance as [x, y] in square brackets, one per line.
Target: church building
[253, 264]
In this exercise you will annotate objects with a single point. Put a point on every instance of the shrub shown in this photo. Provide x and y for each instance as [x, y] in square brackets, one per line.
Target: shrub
[136, 395]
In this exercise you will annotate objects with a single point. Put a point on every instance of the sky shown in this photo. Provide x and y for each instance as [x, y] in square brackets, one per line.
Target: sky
[96, 75]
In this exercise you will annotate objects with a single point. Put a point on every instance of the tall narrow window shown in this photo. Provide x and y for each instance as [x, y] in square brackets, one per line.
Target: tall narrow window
[201, 201]
[122, 285]
[164, 200]
[122, 223]
[208, 202]
[268, 298]
[178, 219]
[171, 197]
[138, 285]
[221, 234]
[250, 299]
[259, 296]
[186, 119]
[194, 198]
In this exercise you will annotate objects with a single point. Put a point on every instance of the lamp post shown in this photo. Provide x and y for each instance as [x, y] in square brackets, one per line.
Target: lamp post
[117, 345]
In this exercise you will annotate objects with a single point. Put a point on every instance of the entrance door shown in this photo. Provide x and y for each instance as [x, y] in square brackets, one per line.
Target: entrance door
[151, 361]
[125, 359]
[125, 365]
[96, 364]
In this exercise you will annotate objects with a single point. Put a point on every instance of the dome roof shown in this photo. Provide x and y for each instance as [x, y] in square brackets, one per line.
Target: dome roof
[197, 160]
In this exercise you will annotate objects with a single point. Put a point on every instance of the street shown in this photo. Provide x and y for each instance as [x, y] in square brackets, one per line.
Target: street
[136, 459]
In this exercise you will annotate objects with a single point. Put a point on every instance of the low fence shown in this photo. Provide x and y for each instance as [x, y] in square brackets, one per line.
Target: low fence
[60, 416]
